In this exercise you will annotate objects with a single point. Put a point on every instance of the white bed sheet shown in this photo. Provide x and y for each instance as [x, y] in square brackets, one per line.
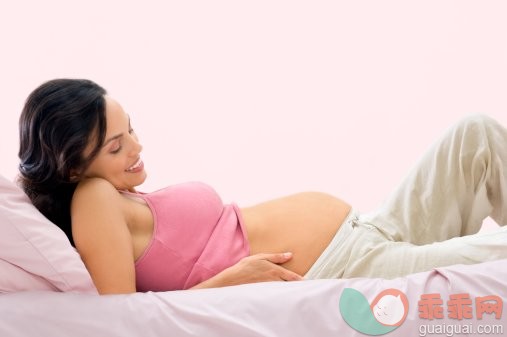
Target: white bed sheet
[306, 308]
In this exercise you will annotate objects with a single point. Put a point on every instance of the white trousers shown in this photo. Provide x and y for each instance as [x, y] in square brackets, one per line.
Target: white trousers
[432, 218]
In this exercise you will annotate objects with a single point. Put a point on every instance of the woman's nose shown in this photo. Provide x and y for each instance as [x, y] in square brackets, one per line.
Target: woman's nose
[136, 147]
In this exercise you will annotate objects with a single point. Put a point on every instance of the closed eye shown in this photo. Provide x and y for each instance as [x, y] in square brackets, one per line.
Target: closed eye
[118, 137]
[116, 150]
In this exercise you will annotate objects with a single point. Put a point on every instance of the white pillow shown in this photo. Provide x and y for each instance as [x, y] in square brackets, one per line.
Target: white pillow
[34, 253]
[15, 279]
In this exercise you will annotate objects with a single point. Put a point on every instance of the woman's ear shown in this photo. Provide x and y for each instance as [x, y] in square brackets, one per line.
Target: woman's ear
[75, 176]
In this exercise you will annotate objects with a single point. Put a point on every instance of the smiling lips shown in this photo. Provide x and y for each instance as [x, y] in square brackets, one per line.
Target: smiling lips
[138, 166]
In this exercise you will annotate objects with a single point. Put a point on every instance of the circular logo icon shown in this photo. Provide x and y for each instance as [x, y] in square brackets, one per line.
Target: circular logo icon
[386, 312]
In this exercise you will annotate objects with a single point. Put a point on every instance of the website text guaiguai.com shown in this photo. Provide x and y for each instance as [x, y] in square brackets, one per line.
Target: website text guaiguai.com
[460, 329]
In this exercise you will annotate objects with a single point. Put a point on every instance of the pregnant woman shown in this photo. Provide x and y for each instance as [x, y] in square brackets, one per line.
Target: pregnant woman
[80, 162]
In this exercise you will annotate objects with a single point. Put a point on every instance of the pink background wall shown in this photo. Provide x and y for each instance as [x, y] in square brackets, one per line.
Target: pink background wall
[266, 98]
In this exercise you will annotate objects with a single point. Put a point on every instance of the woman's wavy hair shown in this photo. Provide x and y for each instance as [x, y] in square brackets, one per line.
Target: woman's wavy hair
[60, 118]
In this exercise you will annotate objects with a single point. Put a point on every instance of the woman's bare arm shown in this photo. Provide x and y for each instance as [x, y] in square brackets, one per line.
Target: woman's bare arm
[253, 269]
[102, 237]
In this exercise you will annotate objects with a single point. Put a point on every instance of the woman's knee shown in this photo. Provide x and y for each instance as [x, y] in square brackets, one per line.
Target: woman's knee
[478, 120]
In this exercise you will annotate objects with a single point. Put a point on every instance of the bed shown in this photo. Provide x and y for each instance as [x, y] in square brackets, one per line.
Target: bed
[46, 291]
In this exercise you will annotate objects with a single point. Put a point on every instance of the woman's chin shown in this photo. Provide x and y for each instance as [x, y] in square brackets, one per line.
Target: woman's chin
[141, 179]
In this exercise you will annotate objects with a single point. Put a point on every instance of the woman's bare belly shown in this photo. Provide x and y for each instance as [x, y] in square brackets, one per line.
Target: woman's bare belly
[303, 224]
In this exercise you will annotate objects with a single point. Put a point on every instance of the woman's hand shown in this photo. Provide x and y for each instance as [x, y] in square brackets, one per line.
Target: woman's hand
[252, 269]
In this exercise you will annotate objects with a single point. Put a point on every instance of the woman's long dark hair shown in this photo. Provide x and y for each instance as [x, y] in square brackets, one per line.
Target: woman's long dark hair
[60, 118]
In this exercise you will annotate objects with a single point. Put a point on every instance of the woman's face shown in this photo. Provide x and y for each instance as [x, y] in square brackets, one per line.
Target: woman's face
[118, 161]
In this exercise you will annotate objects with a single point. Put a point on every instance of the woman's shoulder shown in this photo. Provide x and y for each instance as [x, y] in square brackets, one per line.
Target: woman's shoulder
[95, 185]
[95, 191]
[95, 202]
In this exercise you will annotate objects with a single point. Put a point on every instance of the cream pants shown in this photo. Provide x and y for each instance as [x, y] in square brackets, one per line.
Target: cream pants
[432, 218]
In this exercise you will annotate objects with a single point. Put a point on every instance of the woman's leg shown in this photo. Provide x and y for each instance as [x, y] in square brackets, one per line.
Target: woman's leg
[460, 181]
[374, 256]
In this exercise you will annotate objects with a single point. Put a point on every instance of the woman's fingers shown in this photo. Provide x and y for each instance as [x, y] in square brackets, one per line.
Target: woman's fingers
[274, 258]
[288, 275]
[279, 272]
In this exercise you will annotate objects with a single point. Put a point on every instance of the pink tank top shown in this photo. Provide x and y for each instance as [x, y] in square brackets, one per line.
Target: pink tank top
[195, 236]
